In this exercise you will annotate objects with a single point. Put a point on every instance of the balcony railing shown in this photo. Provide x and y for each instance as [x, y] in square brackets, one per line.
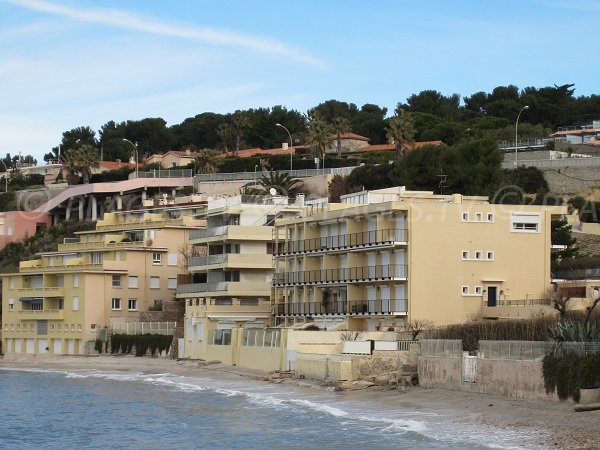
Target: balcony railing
[207, 260]
[53, 291]
[209, 232]
[577, 274]
[45, 314]
[349, 307]
[99, 244]
[348, 241]
[342, 275]
[62, 268]
[520, 302]
[200, 288]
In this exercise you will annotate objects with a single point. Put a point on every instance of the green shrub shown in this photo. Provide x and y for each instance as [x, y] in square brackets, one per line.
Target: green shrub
[98, 346]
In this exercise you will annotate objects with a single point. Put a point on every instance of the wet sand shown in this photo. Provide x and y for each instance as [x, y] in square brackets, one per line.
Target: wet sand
[550, 424]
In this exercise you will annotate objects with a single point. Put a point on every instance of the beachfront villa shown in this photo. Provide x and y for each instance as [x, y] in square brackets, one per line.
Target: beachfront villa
[63, 301]
[231, 268]
[382, 258]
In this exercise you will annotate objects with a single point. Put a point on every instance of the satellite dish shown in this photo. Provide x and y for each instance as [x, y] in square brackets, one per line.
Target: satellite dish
[272, 191]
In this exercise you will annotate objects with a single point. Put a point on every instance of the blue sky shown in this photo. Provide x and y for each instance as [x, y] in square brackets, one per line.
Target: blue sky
[67, 63]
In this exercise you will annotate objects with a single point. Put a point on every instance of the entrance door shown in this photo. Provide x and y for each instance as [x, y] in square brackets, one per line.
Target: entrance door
[492, 295]
[42, 346]
[57, 347]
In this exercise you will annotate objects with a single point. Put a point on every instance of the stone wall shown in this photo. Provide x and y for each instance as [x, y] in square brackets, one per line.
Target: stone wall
[572, 180]
[510, 378]
[588, 244]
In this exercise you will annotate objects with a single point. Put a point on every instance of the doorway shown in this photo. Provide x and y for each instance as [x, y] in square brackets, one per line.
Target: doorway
[492, 295]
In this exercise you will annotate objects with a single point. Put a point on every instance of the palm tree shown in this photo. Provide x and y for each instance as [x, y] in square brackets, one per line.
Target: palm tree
[69, 169]
[340, 125]
[88, 159]
[79, 162]
[319, 134]
[205, 162]
[282, 182]
[401, 131]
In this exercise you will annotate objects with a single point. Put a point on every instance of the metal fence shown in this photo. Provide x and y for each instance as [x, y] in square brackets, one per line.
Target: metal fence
[174, 173]
[241, 176]
[515, 350]
[555, 163]
[441, 347]
[165, 328]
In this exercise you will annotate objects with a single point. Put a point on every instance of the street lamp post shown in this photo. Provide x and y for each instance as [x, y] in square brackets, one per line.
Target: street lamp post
[291, 145]
[517, 135]
[136, 155]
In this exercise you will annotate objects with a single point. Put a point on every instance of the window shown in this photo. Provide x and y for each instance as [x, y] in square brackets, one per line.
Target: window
[11, 282]
[478, 217]
[465, 254]
[172, 259]
[96, 258]
[132, 304]
[525, 223]
[75, 280]
[18, 327]
[478, 290]
[133, 282]
[52, 327]
[11, 304]
[116, 303]
[490, 256]
[478, 255]
[116, 281]
[465, 290]
[59, 327]
[72, 327]
[465, 217]
[232, 275]
[490, 217]
[79, 327]
[156, 258]
[154, 282]
[158, 305]
[232, 248]
[93, 326]
[75, 303]
[172, 283]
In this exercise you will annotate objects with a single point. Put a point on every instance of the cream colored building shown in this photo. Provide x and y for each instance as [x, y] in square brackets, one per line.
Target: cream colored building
[231, 271]
[63, 301]
[381, 258]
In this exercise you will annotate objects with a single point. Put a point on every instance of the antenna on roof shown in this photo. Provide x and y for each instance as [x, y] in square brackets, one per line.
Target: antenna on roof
[442, 183]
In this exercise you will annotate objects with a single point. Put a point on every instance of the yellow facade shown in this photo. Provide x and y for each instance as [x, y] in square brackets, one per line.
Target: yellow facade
[384, 257]
[65, 300]
[231, 272]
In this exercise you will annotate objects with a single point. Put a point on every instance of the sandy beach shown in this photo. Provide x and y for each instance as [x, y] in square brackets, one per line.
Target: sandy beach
[553, 425]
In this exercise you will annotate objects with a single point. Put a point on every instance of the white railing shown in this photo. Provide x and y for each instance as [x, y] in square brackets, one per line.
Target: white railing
[305, 173]
[554, 163]
[165, 328]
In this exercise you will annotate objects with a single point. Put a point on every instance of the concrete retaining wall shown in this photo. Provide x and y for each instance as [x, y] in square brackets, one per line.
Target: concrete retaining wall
[510, 378]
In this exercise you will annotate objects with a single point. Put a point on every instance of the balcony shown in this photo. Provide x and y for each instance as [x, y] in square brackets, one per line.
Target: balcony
[517, 308]
[364, 239]
[41, 292]
[232, 260]
[39, 268]
[98, 245]
[396, 272]
[46, 314]
[230, 305]
[138, 224]
[232, 232]
[394, 307]
[225, 288]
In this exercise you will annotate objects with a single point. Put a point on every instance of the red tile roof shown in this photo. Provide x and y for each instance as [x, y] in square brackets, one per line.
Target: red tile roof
[385, 147]
[246, 153]
[113, 165]
[353, 136]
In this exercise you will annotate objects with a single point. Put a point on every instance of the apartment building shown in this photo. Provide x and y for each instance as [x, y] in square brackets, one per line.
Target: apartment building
[231, 270]
[65, 300]
[381, 258]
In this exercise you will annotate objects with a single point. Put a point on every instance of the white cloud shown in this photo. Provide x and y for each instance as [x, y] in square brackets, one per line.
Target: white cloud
[129, 21]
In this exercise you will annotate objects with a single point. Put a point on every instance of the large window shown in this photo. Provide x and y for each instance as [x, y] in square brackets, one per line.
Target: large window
[116, 303]
[132, 304]
[524, 223]
[156, 258]
[154, 282]
[116, 281]
[172, 283]
[133, 282]
[75, 303]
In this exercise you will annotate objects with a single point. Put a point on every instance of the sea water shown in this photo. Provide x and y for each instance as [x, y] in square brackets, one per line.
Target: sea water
[108, 409]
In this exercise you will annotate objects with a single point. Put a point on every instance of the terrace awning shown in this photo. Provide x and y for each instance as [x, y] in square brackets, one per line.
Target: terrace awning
[31, 299]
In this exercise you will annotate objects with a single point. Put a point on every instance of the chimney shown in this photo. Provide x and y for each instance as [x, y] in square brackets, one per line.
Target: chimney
[300, 200]
[187, 151]
[118, 161]
[284, 145]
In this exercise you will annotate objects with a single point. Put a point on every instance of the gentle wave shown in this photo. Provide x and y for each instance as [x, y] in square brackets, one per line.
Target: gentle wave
[268, 400]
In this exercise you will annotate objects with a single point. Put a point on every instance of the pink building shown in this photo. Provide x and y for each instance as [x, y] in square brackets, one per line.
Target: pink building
[16, 225]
